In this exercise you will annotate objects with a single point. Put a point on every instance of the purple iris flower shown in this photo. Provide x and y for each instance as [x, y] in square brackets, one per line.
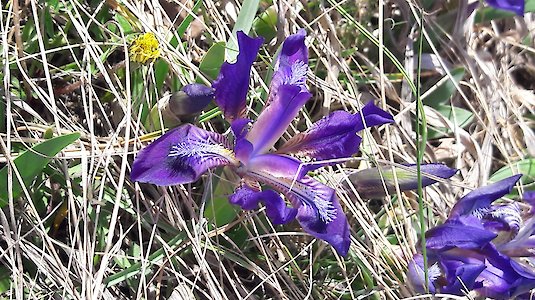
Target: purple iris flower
[516, 6]
[183, 154]
[474, 250]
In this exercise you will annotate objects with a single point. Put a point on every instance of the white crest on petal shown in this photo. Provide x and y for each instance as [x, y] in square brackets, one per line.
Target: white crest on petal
[319, 201]
[203, 149]
[308, 192]
[298, 73]
[507, 214]
[433, 272]
[481, 212]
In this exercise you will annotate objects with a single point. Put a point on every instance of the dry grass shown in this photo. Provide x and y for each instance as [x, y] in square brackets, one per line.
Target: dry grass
[83, 221]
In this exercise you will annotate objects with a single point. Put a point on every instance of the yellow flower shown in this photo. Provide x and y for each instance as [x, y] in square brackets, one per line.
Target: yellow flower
[144, 48]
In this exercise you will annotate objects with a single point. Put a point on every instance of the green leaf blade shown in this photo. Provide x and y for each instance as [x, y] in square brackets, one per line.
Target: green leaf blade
[243, 23]
[31, 162]
[212, 60]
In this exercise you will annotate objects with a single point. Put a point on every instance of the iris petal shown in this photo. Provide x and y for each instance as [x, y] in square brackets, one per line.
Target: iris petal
[319, 212]
[516, 6]
[242, 147]
[276, 165]
[465, 232]
[484, 196]
[198, 96]
[523, 244]
[416, 274]
[372, 116]
[529, 197]
[232, 82]
[461, 277]
[287, 94]
[505, 220]
[276, 117]
[181, 155]
[294, 49]
[501, 277]
[334, 136]
[276, 208]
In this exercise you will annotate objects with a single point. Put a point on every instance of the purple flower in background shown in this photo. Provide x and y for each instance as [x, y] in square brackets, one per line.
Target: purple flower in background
[473, 250]
[183, 154]
[516, 6]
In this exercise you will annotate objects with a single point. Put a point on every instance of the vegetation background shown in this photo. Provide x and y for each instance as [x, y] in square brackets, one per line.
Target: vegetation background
[75, 110]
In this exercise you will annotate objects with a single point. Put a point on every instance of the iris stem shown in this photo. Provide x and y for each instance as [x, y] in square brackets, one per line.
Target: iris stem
[364, 31]
[421, 140]
[207, 116]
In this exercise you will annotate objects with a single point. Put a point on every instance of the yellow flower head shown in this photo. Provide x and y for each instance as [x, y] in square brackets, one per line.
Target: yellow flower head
[144, 48]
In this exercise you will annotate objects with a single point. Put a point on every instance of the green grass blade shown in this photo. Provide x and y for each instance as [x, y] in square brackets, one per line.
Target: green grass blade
[212, 60]
[31, 162]
[135, 269]
[187, 20]
[421, 140]
[375, 41]
[243, 23]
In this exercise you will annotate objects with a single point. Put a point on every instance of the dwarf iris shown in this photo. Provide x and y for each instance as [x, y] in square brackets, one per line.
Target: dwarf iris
[475, 250]
[183, 154]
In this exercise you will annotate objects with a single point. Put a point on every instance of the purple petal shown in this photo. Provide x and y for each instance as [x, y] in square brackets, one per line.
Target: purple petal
[243, 148]
[369, 182]
[198, 97]
[276, 117]
[435, 169]
[291, 64]
[498, 279]
[521, 270]
[504, 220]
[287, 94]
[461, 277]
[233, 81]
[276, 165]
[276, 208]
[293, 49]
[529, 197]
[181, 155]
[416, 274]
[516, 6]
[522, 288]
[484, 196]
[524, 247]
[320, 214]
[183, 106]
[501, 276]
[239, 128]
[372, 116]
[466, 232]
[334, 136]
[523, 244]
[508, 268]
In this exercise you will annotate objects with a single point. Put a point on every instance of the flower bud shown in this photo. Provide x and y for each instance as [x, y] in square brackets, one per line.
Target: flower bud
[369, 182]
[181, 106]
